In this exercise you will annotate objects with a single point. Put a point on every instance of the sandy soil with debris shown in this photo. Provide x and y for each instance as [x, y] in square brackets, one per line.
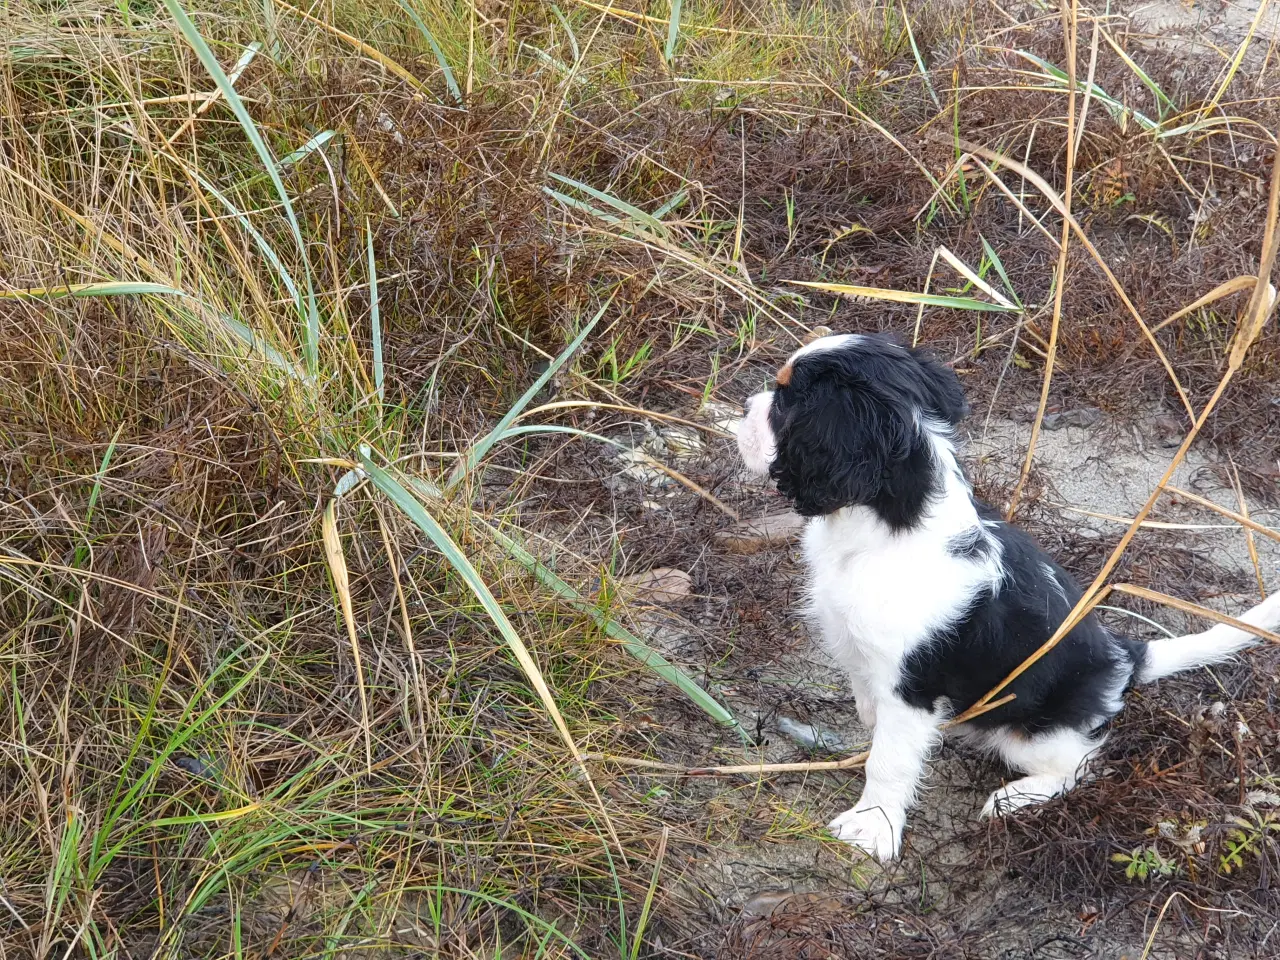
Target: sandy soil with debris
[1184, 26]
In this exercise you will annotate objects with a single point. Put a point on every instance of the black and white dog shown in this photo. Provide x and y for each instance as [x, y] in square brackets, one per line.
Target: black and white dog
[925, 596]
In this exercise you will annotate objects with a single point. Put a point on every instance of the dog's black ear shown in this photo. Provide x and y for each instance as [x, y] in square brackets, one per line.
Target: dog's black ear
[942, 388]
[841, 447]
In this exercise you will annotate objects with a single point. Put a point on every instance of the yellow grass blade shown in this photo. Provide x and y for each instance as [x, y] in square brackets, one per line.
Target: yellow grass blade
[377, 56]
[1236, 285]
[906, 296]
[342, 584]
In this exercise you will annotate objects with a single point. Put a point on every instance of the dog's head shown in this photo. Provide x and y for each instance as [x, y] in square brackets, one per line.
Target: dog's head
[852, 421]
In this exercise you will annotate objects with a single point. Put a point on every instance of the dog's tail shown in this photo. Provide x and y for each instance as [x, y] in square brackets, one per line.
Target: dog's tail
[1163, 657]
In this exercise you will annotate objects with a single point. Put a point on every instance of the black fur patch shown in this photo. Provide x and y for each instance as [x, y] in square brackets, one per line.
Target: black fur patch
[848, 430]
[1068, 687]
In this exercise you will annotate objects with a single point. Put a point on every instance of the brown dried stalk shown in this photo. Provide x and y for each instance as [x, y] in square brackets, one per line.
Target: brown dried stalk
[1056, 201]
[1070, 26]
[1186, 606]
[1231, 514]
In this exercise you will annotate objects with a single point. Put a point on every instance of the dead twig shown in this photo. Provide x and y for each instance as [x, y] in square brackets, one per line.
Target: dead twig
[1248, 534]
[1186, 606]
[815, 766]
[1235, 285]
[1070, 26]
[1052, 196]
[848, 763]
[1218, 508]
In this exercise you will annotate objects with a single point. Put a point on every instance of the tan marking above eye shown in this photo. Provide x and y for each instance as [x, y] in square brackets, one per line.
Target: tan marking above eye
[784, 375]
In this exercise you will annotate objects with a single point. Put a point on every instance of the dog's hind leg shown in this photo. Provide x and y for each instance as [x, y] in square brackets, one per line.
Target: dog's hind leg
[1054, 763]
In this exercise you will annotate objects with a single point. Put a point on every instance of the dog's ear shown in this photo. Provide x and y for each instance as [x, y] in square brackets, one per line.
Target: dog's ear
[843, 447]
[942, 389]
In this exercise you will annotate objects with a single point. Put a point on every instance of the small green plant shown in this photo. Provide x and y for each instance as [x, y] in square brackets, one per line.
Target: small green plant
[616, 369]
[1140, 863]
[710, 388]
[745, 335]
[1249, 837]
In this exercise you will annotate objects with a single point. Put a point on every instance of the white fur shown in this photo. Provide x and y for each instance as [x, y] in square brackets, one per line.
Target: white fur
[1214, 645]
[755, 438]
[1053, 579]
[899, 750]
[865, 582]
[823, 344]
[866, 596]
[1055, 762]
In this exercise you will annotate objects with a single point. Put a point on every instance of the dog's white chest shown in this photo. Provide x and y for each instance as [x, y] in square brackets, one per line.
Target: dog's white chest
[876, 594]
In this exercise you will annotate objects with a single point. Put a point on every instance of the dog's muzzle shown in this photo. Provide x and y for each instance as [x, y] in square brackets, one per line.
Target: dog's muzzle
[755, 437]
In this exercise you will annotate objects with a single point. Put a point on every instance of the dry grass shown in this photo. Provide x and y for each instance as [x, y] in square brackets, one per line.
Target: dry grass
[256, 704]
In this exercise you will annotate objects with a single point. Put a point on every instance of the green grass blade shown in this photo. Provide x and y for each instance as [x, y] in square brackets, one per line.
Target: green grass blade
[1059, 76]
[450, 81]
[186, 731]
[96, 492]
[82, 551]
[632, 212]
[905, 296]
[311, 325]
[969, 274]
[915, 52]
[568, 28]
[416, 512]
[257, 344]
[482, 446]
[575, 204]
[375, 317]
[268, 251]
[120, 288]
[681, 196]
[250, 52]
[637, 941]
[634, 646]
[562, 68]
[999, 265]
[311, 146]
[673, 30]
[1163, 103]
[104, 288]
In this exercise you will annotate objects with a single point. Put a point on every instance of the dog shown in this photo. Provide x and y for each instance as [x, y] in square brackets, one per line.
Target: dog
[926, 597]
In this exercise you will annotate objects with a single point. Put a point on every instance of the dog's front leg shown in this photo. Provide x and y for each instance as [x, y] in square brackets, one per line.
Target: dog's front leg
[903, 739]
[862, 699]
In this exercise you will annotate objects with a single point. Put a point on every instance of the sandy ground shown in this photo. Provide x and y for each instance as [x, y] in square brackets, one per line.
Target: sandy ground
[1099, 478]
[1223, 25]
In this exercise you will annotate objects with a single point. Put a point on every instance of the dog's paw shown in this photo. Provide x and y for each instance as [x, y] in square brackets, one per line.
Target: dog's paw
[1023, 793]
[875, 830]
[866, 712]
